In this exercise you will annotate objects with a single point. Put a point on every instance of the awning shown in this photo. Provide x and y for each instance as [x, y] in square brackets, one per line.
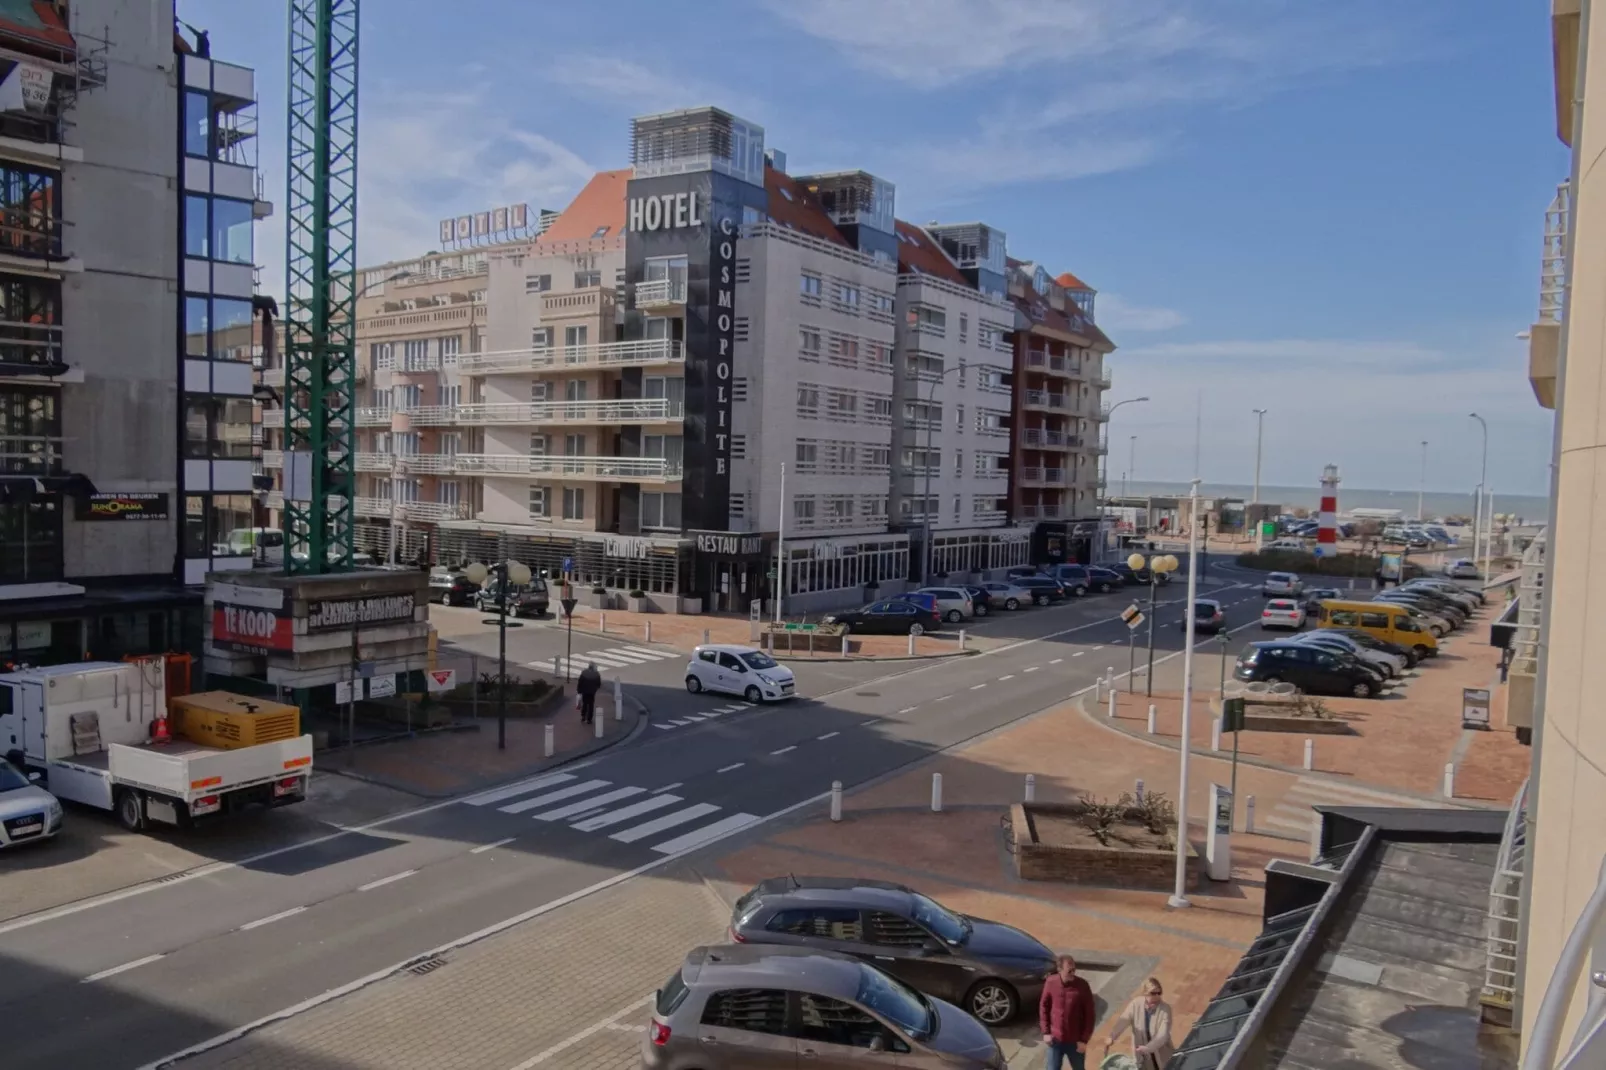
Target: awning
[23, 488]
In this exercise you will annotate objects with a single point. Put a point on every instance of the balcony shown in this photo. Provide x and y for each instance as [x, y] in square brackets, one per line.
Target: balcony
[273, 418]
[1102, 380]
[271, 376]
[588, 469]
[661, 293]
[606, 355]
[1043, 400]
[373, 416]
[31, 349]
[435, 464]
[593, 303]
[1040, 512]
[1039, 438]
[1035, 476]
[375, 462]
[272, 458]
[1544, 337]
[615, 411]
[434, 512]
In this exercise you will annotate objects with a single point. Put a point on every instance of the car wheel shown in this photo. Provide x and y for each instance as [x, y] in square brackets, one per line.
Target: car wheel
[1080, 591]
[1421, 652]
[847, 629]
[992, 1002]
[1104, 588]
[953, 616]
[1012, 603]
[1039, 600]
[917, 629]
[131, 810]
[694, 685]
[981, 610]
[1362, 689]
[753, 694]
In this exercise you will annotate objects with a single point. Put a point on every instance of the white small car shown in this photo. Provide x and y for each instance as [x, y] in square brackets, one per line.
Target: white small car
[1284, 584]
[739, 670]
[1283, 613]
[1462, 569]
[27, 812]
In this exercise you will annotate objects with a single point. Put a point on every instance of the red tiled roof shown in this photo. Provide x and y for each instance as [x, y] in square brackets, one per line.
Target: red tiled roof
[919, 254]
[37, 23]
[791, 204]
[1071, 282]
[601, 203]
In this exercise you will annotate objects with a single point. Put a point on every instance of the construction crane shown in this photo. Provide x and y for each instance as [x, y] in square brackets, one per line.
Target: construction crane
[321, 298]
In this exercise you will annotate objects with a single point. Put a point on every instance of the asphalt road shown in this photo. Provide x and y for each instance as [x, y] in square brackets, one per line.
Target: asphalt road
[169, 965]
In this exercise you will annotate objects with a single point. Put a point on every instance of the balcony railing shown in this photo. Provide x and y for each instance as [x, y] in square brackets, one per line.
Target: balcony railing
[611, 411]
[31, 455]
[28, 347]
[434, 512]
[1103, 380]
[373, 416]
[272, 458]
[604, 355]
[273, 418]
[1500, 976]
[272, 376]
[628, 469]
[660, 293]
[1553, 259]
[1042, 399]
[1588, 1049]
[1042, 438]
[375, 462]
[427, 463]
[1039, 512]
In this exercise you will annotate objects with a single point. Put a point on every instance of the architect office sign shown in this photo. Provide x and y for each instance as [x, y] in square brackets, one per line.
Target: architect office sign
[358, 612]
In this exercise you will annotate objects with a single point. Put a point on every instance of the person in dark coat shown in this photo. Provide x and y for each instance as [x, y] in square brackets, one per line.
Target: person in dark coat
[587, 686]
[1066, 1016]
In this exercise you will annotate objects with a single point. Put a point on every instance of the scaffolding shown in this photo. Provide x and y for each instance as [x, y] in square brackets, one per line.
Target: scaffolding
[1553, 260]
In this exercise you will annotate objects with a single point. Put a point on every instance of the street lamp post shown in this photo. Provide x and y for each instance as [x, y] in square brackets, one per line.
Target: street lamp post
[1179, 897]
[1104, 478]
[1159, 565]
[925, 508]
[508, 574]
[1422, 482]
[1483, 488]
[1260, 437]
[1131, 462]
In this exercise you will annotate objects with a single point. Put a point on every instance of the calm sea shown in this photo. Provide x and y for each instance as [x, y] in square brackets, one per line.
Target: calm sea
[1531, 508]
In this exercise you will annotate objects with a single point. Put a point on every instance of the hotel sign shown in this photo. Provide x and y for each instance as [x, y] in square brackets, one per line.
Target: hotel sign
[668, 211]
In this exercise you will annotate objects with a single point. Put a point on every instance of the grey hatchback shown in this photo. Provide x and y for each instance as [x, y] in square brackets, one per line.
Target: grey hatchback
[990, 969]
[764, 1008]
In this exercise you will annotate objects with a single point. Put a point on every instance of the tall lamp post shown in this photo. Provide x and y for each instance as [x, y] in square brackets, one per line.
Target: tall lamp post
[1179, 896]
[1422, 482]
[1159, 565]
[1104, 481]
[1478, 540]
[508, 574]
[925, 508]
[1131, 462]
[1260, 438]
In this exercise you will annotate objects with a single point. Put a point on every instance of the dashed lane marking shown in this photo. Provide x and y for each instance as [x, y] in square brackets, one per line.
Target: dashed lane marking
[783, 750]
[115, 970]
[482, 848]
[828, 735]
[382, 881]
[728, 768]
[271, 918]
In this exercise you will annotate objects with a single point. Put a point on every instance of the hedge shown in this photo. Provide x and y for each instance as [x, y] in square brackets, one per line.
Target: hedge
[1309, 564]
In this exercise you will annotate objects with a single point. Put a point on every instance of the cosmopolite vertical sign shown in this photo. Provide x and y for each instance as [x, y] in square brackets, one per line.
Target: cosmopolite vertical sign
[724, 337]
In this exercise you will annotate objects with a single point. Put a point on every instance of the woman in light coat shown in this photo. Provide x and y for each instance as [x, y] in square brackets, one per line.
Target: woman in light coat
[1149, 1018]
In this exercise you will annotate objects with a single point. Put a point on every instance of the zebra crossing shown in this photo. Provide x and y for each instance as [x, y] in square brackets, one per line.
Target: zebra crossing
[625, 813]
[622, 657]
[1293, 816]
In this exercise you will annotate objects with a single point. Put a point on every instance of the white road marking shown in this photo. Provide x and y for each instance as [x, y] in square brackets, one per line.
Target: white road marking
[828, 735]
[482, 848]
[1034, 668]
[586, 806]
[664, 727]
[731, 709]
[783, 750]
[668, 787]
[382, 881]
[668, 821]
[1098, 648]
[942, 698]
[271, 918]
[706, 834]
[115, 970]
[585, 1034]
[728, 768]
[553, 796]
[909, 709]
[681, 723]
[524, 788]
[613, 817]
[978, 687]
[1009, 676]
[1056, 661]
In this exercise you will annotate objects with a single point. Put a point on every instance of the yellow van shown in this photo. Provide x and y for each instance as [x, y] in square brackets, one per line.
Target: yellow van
[1390, 623]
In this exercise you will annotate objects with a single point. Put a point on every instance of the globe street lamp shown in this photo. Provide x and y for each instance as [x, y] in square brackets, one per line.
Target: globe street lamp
[1160, 565]
[1104, 479]
[1260, 436]
[1179, 896]
[509, 574]
[1483, 489]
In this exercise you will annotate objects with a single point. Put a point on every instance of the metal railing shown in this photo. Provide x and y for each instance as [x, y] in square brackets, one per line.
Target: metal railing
[434, 512]
[375, 462]
[272, 417]
[1044, 399]
[427, 463]
[272, 458]
[656, 293]
[31, 455]
[1500, 979]
[605, 354]
[373, 416]
[31, 344]
[630, 469]
[1585, 949]
[1553, 259]
[609, 411]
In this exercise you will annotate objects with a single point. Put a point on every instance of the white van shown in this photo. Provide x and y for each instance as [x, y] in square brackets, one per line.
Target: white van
[266, 545]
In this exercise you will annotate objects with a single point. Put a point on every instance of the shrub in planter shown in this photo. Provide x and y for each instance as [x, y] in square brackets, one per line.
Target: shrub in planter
[638, 593]
[599, 589]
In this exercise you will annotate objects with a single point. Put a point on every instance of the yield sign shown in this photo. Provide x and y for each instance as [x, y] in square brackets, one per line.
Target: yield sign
[442, 679]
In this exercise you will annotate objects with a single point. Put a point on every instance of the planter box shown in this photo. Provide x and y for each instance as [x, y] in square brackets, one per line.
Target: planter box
[641, 605]
[691, 605]
[1287, 722]
[1115, 867]
[463, 706]
[595, 600]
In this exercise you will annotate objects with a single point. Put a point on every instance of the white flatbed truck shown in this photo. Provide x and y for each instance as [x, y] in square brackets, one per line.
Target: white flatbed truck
[86, 728]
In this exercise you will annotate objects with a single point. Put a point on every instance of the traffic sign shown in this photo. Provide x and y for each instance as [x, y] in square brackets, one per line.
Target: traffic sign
[1132, 616]
[568, 564]
[568, 605]
[442, 679]
[1232, 715]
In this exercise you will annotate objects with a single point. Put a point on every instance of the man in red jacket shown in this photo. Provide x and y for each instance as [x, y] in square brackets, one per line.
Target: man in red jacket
[1065, 1013]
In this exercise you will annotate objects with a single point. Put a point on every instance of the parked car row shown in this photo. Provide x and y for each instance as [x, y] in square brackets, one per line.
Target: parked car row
[841, 971]
[1358, 645]
[449, 587]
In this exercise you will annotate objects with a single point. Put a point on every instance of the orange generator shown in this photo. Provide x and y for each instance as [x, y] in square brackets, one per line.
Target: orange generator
[228, 721]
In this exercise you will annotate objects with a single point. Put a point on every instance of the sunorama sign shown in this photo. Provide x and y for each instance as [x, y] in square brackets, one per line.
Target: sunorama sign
[667, 211]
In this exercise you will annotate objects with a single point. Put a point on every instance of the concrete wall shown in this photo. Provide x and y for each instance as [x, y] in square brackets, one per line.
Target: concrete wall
[1568, 834]
[120, 313]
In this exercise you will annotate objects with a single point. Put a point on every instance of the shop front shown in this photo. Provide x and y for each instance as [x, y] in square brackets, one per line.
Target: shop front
[1065, 542]
[730, 569]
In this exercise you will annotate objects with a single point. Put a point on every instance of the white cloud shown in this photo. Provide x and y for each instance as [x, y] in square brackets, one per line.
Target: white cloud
[1115, 314]
[623, 81]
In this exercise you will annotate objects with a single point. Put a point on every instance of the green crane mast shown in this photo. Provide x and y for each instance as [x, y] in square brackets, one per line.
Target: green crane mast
[321, 306]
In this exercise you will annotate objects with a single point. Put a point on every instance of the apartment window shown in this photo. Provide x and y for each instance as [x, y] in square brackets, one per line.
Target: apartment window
[808, 341]
[381, 355]
[839, 507]
[808, 400]
[574, 503]
[881, 304]
[807, 454]
[921, 411]
[574, 340]
[656, 329]
[845, 349]
[540, 390]
[873, 506]
[415, 355]
[660, 510]
[959, 418]
[197, 329]
[450, 395]
[803, 508]
[575, 390]
[217, 327]
[197, 226]
[477, 296]
[738, 447]
[449, 492]
[537, 284]
[574, 445]
[217, 428]
[964, 326]
[540, 445]
[449, 444]
[929, 319]
[848, 296]
[811, 286]
[878, 458]
[197, 124]
[232, 231]
[959, 462]
[880, 409]
[538, 502]
[878, 354]
[585, 280]
[600, 232]
[541, 337]
[844, 405]
[450, 346]
[407, 397]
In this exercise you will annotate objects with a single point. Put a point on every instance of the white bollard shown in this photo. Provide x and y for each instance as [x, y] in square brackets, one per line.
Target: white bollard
[1215, 733]
[911, 645]
[961, 639]
[936, 793]
[1031, 787]
[1449, 780]
[600, 722]
[1315, 836]
[602, 624]
[1249, 814]
[550, 742]
[649, 631]
[618, 700]
[1109, 677]
[1098, 689]
[844, 646]
[1137, 790]
[557, 666]
[1310, 754]
[705, 636]
[1151, 718]
[1110, 709]
[836, 800]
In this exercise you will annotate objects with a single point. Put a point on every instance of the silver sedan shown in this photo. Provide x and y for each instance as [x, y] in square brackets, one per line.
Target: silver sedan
[1007, 595]
[27, 811]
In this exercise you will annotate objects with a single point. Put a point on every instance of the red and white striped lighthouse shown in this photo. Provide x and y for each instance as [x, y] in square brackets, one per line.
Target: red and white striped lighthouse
[1327, 518]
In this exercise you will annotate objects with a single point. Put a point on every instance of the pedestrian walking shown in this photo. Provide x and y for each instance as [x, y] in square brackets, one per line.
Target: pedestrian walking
[1149, 1018]
[1066, 1016]
[587, 686]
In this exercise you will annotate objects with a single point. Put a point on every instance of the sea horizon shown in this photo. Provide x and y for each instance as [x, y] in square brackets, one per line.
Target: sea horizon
[1533, 509]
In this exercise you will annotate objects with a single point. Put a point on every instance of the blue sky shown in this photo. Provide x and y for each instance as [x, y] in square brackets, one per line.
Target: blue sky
[1331, 214]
